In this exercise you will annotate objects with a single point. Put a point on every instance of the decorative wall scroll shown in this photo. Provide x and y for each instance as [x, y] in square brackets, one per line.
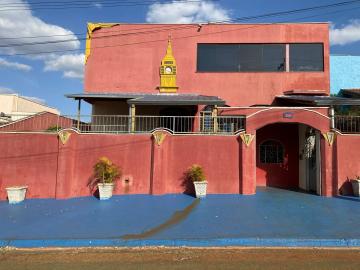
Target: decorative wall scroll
[159, 137]
[329, 137]
[64, 136]
[247, 138]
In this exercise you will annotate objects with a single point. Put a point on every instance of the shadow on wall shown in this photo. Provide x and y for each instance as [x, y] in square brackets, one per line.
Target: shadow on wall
[92, 185]
[187, 184]
[346, 188]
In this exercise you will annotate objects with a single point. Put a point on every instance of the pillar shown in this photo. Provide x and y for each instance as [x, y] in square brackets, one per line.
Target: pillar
[327, 179]
[78, 114]
[215, 119]
[132, 118]
[158, 163]
[248, 167]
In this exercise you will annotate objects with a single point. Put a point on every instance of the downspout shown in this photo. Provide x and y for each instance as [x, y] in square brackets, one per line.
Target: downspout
[78, 114]
[332, 117]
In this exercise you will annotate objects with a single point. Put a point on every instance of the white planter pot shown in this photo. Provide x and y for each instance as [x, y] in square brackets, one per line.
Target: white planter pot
[200, 188]
[105, 190]
[356, 187]
[16, 194]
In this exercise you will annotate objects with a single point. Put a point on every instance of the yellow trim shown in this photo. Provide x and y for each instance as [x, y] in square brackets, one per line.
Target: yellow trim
[247, 138]
[91, 27]
[64, 136]
[329, 137]
[159, 137]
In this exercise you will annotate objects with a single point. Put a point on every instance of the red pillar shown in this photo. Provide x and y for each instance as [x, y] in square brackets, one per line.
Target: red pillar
[158, 166]
[65, 170]
[327, 179]
[248, 167]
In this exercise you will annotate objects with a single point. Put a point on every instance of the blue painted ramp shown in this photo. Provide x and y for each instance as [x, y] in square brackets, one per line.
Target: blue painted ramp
[272, 217]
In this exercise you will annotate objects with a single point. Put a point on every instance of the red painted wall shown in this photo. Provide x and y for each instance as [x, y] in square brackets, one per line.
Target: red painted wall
[218, 155]
[54, 170]
[131, 153]
[126, 62]
[347, 161]
[286, 174]
[29, 159]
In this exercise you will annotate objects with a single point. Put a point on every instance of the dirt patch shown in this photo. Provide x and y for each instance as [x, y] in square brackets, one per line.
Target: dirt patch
[180, 258]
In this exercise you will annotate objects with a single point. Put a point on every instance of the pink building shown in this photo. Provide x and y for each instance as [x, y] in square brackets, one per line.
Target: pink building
[250, 103]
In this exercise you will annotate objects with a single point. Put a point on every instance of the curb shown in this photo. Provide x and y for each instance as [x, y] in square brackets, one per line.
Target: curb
[242, 242]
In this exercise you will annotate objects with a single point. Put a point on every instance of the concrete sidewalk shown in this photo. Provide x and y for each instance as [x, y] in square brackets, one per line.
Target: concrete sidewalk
[272, 217]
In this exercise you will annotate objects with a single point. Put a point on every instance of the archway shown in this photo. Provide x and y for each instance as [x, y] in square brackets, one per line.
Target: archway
[288, 157]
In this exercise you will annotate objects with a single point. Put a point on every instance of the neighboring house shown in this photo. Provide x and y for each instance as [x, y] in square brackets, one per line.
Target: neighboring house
[39, 122]
[14, 107]
[344, 72]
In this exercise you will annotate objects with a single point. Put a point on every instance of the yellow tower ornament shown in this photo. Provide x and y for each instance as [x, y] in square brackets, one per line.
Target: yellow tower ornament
[168, 72]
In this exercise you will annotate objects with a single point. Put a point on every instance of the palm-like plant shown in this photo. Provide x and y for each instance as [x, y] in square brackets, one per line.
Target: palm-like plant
[105, 172]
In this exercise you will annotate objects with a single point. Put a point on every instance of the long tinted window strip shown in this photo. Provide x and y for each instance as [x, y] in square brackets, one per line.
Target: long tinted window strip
[241, 57]
[307, 57]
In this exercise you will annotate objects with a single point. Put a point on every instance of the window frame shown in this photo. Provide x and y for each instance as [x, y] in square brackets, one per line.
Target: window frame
[239, 71]
[307, 43]
[278, 143]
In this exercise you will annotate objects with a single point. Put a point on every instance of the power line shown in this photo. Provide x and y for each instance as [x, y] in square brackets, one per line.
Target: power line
[224, 21]
[241, 19]
[61, 5]
[158, 40]
[84, 33]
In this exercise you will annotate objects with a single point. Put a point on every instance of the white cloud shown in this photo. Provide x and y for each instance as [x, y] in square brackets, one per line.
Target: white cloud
[98, 5]
[14, 65]
[72, 65]
[186, 12]
[21, 24]
[346, 34]
[5, 90]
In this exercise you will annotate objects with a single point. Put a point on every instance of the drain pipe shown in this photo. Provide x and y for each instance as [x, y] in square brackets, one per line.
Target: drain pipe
[332, 117]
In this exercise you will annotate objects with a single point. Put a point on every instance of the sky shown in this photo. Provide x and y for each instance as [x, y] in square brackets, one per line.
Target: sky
[48, 77]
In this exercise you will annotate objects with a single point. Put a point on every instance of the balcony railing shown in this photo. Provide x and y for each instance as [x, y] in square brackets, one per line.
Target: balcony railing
[347, 123]
[205, 124]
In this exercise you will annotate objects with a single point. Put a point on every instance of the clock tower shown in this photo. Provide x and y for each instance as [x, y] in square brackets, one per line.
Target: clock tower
[168, 72]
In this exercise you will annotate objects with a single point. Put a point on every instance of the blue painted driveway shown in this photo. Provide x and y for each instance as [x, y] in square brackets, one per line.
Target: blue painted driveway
[272, 217]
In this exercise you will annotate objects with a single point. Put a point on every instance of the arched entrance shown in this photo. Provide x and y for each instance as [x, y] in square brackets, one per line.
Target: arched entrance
[288, 156]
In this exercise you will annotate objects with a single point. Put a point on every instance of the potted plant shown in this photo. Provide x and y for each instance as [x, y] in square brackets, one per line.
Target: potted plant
[356, 186]
[105, 175]
[196, 174]
[16, 194]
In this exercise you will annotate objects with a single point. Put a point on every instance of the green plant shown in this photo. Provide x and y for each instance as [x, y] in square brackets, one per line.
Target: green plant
[196, 173]
[53, 128]
[105, 171]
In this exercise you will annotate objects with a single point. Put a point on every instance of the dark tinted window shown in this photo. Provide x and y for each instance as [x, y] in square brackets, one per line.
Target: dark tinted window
[306, 57]
[240, 57]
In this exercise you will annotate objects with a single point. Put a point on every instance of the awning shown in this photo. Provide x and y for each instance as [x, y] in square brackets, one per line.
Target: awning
[350, 93]
[314, 101]
[151, 99]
